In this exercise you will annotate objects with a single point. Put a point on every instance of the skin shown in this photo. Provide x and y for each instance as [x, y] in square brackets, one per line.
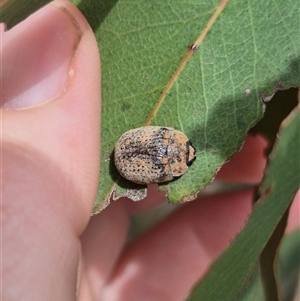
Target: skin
[51, 248]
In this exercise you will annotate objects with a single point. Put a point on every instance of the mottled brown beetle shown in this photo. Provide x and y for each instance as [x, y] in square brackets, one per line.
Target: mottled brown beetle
[153, 154]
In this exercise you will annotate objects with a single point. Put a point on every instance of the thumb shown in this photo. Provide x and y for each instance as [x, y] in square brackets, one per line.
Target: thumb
[50, 143]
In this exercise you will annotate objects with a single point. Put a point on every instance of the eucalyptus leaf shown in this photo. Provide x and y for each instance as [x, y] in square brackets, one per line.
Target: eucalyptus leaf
[289, 265]
[200, 67]
[289, 271]
[253, 289]
[277, 191]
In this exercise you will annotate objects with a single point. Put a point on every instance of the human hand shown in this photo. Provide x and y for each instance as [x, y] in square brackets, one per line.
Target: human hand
[50, 165]
[50, 150]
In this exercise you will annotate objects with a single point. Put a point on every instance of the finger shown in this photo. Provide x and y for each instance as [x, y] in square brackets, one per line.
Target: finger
[247, 165]
[177, 252]
[154, 197]
[102, 242]
[294, 215]
[50, 150]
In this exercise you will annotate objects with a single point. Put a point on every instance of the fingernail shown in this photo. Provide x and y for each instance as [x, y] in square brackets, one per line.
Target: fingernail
[36, 58]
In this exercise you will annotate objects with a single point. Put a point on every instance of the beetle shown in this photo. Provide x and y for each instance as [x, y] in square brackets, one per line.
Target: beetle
[153, 154]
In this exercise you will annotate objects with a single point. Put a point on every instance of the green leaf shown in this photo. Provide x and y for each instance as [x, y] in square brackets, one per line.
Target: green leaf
[14, 11]
[289, 271]
[280, 106]
[276, 110]
[269, 260]
[289, 264]
[277, 191]
[152, 75]
[253, 287]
